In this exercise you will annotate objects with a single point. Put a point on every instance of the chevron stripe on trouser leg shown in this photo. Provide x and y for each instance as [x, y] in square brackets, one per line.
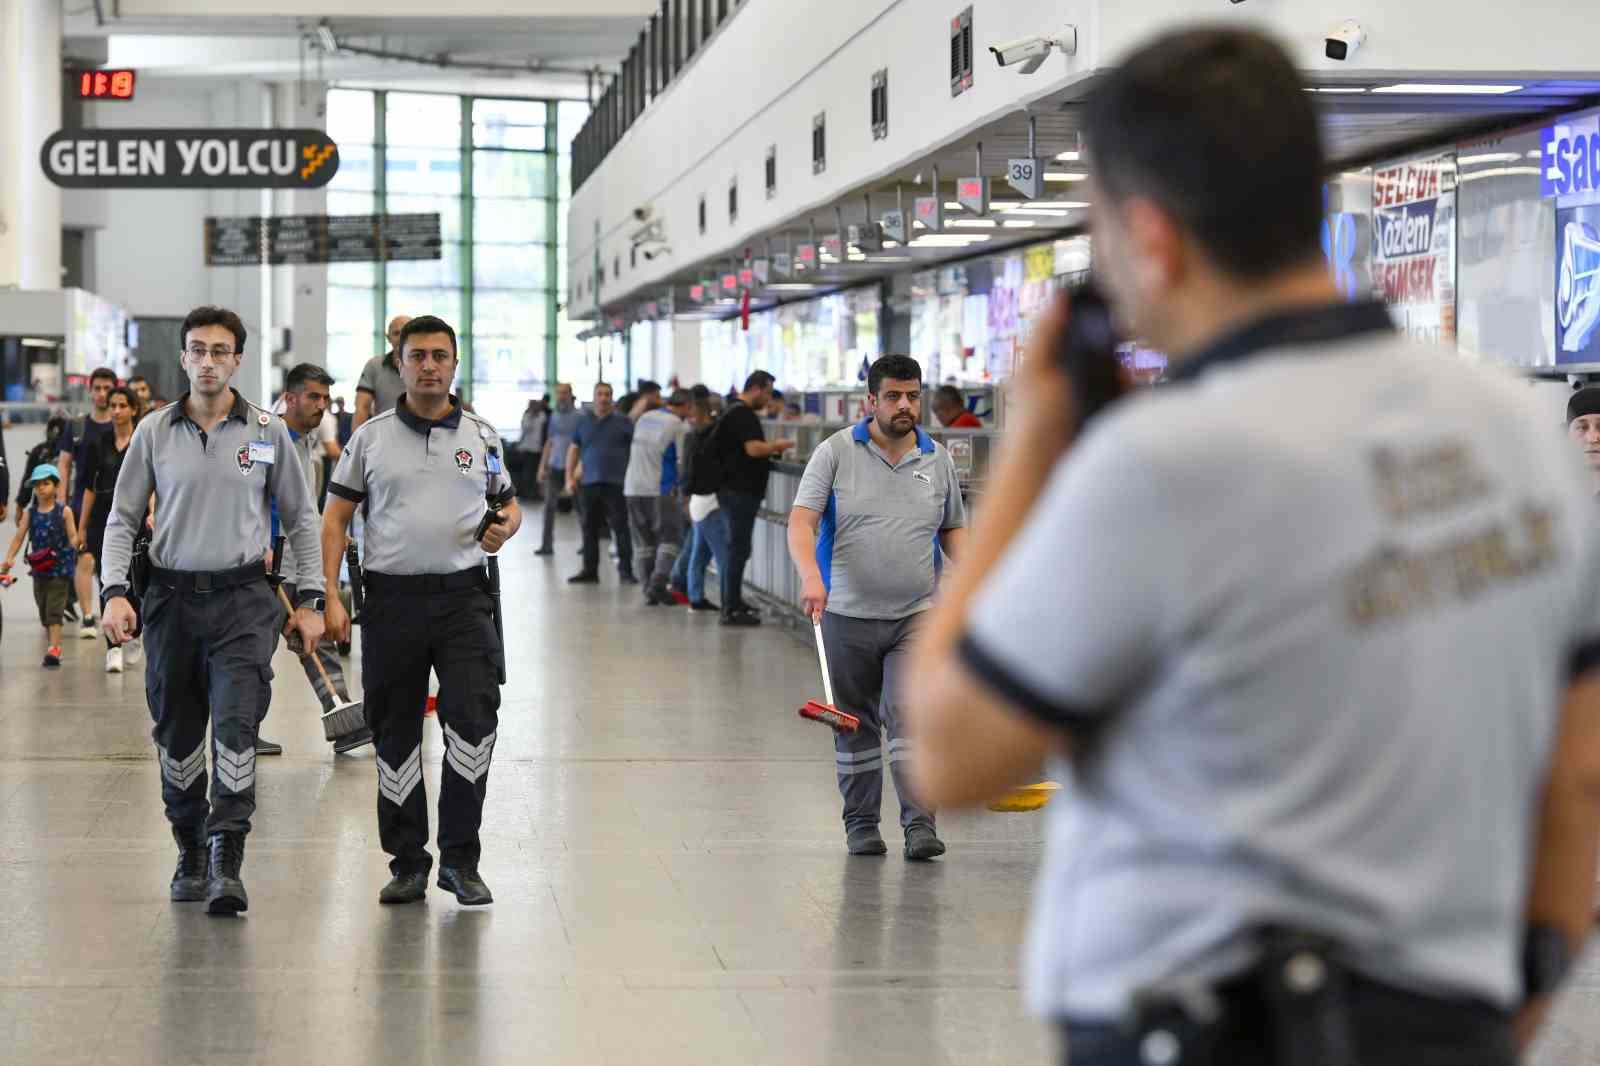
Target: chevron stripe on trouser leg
[207, 663]
[466, 656]
[394, 676]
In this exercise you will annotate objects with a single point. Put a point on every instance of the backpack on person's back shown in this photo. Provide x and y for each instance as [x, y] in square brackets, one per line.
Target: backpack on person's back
[704, 469]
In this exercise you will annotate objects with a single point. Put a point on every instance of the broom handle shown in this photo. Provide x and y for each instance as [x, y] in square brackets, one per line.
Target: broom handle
[312, 655]
[822, 657]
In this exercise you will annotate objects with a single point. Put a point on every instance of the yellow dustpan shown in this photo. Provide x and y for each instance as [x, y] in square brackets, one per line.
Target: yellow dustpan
[1027, 798]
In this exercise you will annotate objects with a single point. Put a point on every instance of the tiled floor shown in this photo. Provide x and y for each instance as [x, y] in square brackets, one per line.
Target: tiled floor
[663, 842]
[662, 837]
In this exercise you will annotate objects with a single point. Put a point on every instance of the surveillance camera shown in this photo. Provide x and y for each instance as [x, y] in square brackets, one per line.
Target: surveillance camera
[1031, 52]
[1344, 39]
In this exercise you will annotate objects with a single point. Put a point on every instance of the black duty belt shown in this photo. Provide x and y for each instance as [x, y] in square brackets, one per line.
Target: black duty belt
[208, 580]
[392, 584]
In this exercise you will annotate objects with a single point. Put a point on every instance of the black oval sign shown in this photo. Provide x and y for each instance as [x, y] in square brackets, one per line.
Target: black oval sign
[190, 159]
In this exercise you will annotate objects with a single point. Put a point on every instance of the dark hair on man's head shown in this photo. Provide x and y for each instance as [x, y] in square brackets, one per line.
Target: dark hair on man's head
[214, 316]
[102, 373]
[1214, 125]
[138, 378]
[427, 324]
[759, 379]
[303, 373]
[894, 367]
[646, 385]
[948, 395]
[605, 385]
[699, 392]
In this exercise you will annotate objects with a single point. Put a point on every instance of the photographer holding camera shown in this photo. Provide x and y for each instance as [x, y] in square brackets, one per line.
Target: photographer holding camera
[1308, 632]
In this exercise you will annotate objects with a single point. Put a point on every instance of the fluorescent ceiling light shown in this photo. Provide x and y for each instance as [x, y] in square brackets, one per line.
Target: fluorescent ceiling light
[1044, 211]
[1061, 203]
[949, 240]
[1336, 90]
[1489, 157]
[1423, 88]
[1500, 172]
[1065, 175]
[975, 223]
[1067, 157]
[953, 205]
[38, 342]
[1020, 223]
[791, 286]
[1535, 154]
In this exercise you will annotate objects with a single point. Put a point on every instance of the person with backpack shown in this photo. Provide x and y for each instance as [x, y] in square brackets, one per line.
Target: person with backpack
[708, 532]
[82, 437]
[51, 531]
[40, 454]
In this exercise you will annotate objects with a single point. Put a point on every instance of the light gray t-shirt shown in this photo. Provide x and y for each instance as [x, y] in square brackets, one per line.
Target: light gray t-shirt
[428, 484]
[656, 455]
[877, 544]
[1315, 601]
[214, 494]
[381, 377]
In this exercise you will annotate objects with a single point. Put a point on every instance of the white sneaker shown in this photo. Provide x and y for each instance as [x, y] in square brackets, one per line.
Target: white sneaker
[133, 651]
[88, 631]
[114, 661]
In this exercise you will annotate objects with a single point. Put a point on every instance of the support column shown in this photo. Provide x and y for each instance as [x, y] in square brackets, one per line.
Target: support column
[30, 111]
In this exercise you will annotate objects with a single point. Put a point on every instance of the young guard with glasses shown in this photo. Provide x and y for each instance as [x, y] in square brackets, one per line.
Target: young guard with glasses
[215, 463]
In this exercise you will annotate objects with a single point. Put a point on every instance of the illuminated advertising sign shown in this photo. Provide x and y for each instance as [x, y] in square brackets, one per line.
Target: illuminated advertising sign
[1570, 157]
[189, 159]
[1414, 245]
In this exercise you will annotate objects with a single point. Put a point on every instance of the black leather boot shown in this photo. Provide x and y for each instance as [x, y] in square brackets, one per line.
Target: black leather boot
[189, 879]
[465, 883]
[225, 892]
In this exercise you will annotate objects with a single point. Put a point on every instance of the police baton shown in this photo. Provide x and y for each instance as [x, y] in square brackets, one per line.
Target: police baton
[491, 517]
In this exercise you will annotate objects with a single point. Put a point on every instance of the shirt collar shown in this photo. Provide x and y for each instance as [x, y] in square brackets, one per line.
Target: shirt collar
[240, 410]
[1318, 325]
[423, 425]
[863, 434]
[390, 361]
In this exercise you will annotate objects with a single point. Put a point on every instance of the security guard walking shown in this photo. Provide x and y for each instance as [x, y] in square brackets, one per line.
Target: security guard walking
[1310, 631]
[215, 464]
[438, 498]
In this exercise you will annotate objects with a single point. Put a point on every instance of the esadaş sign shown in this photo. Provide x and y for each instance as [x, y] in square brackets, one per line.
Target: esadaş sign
[190, 159]
[1569, 163]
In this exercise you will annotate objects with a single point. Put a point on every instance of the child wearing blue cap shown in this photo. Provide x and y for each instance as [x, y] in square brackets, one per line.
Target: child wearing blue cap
[50, 527]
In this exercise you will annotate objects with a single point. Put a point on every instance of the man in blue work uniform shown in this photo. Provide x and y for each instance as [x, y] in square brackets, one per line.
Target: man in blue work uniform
[878, 505]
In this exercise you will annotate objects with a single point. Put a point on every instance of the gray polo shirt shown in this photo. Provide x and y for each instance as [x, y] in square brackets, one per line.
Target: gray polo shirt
[603, 447]
[656, 454]
[381, 377]
[563, 429]
[214, 494]
[1316, 601]
[877, 544]
[428, 484]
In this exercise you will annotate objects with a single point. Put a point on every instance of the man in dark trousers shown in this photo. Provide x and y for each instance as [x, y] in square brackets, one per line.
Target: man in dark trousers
[215, 462]
[430, 472]
[1311, 631]
[597, 465]
[746, 458]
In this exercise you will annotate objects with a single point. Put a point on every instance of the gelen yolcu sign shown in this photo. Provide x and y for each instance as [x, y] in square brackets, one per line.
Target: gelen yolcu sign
[190, 159]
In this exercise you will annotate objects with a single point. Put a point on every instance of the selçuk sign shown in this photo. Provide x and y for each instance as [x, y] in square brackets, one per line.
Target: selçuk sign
[190, 159]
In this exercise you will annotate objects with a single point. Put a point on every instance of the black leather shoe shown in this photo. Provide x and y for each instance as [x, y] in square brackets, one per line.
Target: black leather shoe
[194, 866]
[405, 888]
[267, 747]
[701, 606]
[584, 579]
[740, 618]
[225, 891]
[543, 552]
[344, 649]
[468, 887]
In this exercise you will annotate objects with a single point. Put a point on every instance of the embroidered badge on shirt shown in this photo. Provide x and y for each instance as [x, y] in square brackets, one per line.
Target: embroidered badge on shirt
[243, 458]
[920, 476]
[463, 460]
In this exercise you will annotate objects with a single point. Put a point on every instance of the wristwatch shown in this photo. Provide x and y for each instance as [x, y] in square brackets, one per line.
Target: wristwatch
[319, 604]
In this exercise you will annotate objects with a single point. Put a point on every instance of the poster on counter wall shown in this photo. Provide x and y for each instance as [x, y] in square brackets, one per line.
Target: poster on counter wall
[1414, 244]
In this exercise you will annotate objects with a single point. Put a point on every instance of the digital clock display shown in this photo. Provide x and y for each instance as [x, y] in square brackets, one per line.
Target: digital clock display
[103, 84]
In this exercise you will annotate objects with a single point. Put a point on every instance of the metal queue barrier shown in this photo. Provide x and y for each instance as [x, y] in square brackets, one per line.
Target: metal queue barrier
[771, 579]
